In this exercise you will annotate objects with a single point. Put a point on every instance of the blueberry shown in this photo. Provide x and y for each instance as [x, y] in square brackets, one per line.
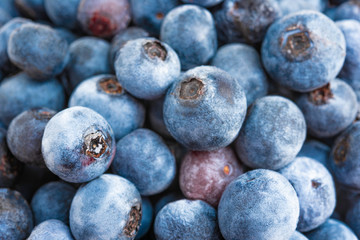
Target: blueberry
[260, 204]
[204, 109]
[62, 13]
[143, 158]
[353, 217]
[243, 63]
[351, 69]
[9, 7]
[123, 112]
[248, 20]
[156, 117]
[108, 207]
[38, 50]
[167, 198]
[316, 150]
[330, 109]
[348, 10]
[25, 133]
[10, 166]
[150, 14]
[190, 31]
[272, 134]
[66, 34]
[34, 9]
[146, 67]
[5, 32]
[204, 3]
[346, 199]
[15, 215]
[303, 51]
[332, 229]
[20, 92]
[186, 219]
[315, 189]
[52, 201]
[88, 57]
[122, 37]
[298, 236]
[205, 175]
[146, 218]
[104, 18]
[4, 17]
[344, 158]
[78, 144]
[51, 229]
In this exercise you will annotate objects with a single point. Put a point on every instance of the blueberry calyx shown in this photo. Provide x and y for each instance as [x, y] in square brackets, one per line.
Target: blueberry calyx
[95, 144]
[296, 43]
[110, 86]
[321, 95]
[133, 224]
[315, 183]
[154, 49]
[340, 151]
[191, 89]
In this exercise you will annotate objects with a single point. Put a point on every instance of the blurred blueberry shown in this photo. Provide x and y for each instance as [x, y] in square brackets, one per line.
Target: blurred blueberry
[52, 201]
[348, 10]
[332, 229]
[317, 151]
[38, 50]
[243, 63]
[204, 3]
[9, 7]
[190, 31]
[62, 13]
[19, 93]
[34, 9]
[149, 14]
[108, 207]
[66, 34]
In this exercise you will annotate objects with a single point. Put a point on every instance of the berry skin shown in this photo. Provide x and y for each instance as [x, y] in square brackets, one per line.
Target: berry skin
[150, 14]
[298, 236]
[123, 112]
[204, 3]
[187, 219]
[51, 229]
[15, 215]
[38, 50]
[332, 229]
[25, 133]
[260, 204]
[348, 10]
[10, 167]
[303, 51]
[62, 13]
[89, 56]
[204, 109]
[205, 175]
[103, 18]
[272, 134]
[143, 158]
[190, 31]
[315, 189]
[344, 158]
[78, 144]
[27, 94]
[330, 109]
[122, 37]
[108, 207]
[52, 201]
[351, 70]
[243, 63]
[146, 67]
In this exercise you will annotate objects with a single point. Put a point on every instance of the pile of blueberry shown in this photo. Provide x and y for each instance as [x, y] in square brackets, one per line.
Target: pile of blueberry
[180, 119]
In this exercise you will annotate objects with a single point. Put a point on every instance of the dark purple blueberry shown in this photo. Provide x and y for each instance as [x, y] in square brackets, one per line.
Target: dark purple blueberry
[205, 175]
[104, 18]
[25, 134]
